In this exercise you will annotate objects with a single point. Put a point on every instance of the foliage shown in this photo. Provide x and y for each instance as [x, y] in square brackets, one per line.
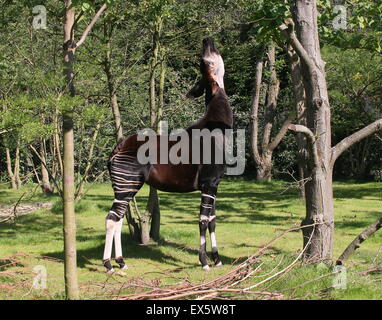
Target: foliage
[31, 81]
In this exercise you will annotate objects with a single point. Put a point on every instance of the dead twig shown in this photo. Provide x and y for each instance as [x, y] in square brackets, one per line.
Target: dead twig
[225, 284]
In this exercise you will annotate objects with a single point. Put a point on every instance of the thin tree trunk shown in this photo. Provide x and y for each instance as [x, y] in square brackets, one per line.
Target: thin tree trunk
[89, 160]
[71, 281]
[16, 170]
[111, 85]
[299, 97]
[152, 213]
[57, 144]
[45, 183]
[272, 94]
[10, 170]
[153, 204]
[255, 110]
[263, 157]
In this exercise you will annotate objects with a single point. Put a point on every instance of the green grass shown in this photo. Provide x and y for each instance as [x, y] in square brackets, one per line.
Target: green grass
[249, 214]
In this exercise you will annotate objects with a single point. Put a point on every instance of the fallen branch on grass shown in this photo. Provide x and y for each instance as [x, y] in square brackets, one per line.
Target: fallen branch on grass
[355, 244]
[224, 284]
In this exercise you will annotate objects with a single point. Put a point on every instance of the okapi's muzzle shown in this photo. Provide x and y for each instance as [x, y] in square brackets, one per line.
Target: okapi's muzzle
[211, 68]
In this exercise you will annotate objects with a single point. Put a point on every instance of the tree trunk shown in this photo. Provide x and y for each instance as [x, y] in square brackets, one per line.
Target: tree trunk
[299, 97]
[16, 170]
[11, 176]
[319, 190]
[71, 281]
[152, 213]
[57, 144]
[45, 183]
[153, 202]
[272, 94]
[89, 161]
[263, 157]
[132, 222]
[111, 85]
[255, 110]
[318, 240]
[264, 168]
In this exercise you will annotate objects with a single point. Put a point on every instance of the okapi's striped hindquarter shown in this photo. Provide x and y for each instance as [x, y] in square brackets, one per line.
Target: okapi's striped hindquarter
[128, 174]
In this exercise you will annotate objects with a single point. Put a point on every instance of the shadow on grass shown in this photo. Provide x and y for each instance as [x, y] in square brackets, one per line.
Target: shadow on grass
[358, 221]
[133, 250]
[32, 223]
[366, 190]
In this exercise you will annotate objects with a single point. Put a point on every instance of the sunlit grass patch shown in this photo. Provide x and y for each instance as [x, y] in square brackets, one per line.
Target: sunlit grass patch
[249, 214]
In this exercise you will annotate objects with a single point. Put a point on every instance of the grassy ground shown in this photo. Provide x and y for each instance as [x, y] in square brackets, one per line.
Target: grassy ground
[249, 214]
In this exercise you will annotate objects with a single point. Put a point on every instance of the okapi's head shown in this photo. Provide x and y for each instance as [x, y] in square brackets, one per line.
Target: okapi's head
[212, 69]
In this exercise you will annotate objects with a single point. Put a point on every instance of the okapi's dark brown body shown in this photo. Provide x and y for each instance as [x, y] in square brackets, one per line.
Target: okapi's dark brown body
[182, 177]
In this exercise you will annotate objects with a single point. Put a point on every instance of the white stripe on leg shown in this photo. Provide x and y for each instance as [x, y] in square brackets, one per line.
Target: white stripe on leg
[117, 239]
[202, 240]
[110, 229]
[214, 245]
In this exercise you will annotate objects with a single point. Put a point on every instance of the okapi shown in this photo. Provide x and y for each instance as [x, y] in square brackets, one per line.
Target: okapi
[128, 174]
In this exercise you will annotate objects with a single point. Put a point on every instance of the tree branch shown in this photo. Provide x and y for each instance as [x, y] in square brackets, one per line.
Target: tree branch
[90, 25]
[255, 110]
[311, 139]
[281, 134]
[287, 29]
[355, 244]
[354, 138]
[47, 169]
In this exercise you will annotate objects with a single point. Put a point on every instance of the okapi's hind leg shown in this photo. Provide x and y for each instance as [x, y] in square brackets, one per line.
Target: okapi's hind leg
[127, 178]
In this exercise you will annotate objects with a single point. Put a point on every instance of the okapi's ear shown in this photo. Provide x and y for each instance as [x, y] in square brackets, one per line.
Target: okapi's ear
[198, 90]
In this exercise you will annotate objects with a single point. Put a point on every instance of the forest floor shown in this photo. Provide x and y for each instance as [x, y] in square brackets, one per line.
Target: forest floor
[249, 215]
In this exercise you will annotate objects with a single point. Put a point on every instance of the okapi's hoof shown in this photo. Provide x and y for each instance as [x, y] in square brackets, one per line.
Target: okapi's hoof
[121, 263]
[219, 264]
[108, 266]
[110, 272]
[206, 267]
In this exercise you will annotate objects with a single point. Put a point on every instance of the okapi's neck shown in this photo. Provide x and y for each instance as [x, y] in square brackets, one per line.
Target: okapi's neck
[218, 107]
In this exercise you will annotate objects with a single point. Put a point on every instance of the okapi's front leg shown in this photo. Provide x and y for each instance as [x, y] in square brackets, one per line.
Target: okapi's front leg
[214, 246]
[207, 220]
